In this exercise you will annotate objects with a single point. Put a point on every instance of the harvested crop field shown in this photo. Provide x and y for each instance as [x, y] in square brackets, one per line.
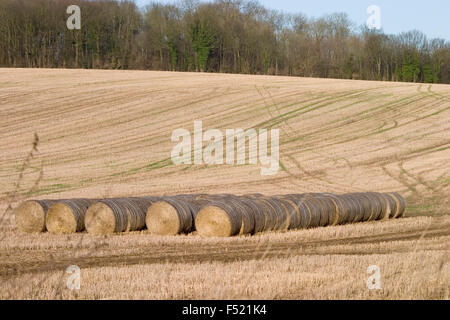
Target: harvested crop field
[108, 134]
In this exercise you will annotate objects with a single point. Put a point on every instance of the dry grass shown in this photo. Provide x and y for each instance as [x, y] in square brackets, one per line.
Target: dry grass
[325, 263]
[107, 134]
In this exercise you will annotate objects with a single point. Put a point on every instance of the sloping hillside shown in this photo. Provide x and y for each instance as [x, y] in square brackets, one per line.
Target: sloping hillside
[109, 133]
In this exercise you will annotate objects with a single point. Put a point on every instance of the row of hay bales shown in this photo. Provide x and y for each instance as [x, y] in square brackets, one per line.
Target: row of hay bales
[210, 215]
[228, 215]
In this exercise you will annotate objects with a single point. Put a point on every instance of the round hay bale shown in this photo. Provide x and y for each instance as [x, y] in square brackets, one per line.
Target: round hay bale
[400, 205]
[335, 208]
[67, 216]
[280, 213]
[218, 219]
[341, 208]
[195, 206]
[117, 215]
[353, 208]
[169, 216]
[136, 213]
[288, 213]
[300, 217]
[144, 202]
[350, 210]
[106, 217]
[366, 210]
[392, 205]
[258, 215]
[273, 214]
[306, 215]
[269, 214]
[292, 214]
[184, 211]
[376, 205]
[315, 212]
[188, 204]
[30, 215]
[329, 210]
[248, 216]
[359, 205]
[302, 209]
[268, 211]
[323, 209]
[384, 205]
[369, 209]
[163, 218]
[316, 209]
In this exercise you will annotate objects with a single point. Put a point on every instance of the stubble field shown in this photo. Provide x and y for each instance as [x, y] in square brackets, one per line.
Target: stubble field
[108, 133]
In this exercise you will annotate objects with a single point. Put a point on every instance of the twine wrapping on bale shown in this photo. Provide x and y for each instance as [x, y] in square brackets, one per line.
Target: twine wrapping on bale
[135, 214]
[298, 216]
[358, 213]
[364, 208]
[366, 205]
[320, 209]
[302, 209]
[329, 210]
[267, 211]
[353, 208]
[67, 216]
[247, 214]
[279, 214]
[314, 208]
[384, 205]
[292, 216]
[195, 206]
[258, 214]
[375, 204]
[30, 216]
[392, 206]
[341, 208]
[372, 206]
[333, 213]
[270, 214]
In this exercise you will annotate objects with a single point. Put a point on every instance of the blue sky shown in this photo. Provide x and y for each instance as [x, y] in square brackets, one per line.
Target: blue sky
[432, 17]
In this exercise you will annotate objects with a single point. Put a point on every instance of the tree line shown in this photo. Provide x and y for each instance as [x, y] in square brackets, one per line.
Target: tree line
[229, 36]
